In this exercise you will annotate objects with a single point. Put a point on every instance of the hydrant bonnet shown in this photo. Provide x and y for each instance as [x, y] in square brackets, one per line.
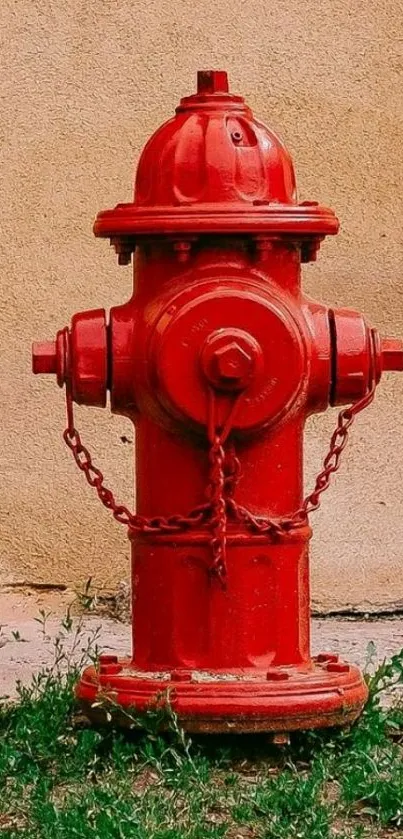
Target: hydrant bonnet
[214, 168]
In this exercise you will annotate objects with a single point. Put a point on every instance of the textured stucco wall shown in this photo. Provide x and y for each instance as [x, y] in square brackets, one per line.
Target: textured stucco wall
[83, 84]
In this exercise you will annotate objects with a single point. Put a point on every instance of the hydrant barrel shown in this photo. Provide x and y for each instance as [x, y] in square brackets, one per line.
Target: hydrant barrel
[218, 359]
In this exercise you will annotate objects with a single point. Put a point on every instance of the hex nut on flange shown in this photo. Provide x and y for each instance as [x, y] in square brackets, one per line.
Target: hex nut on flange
[230, 359]
[232, 363]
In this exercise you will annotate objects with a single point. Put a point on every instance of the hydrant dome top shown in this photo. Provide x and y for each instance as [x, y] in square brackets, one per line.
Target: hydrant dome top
[214, 168]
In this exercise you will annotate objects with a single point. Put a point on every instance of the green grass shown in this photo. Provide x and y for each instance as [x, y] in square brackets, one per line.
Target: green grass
[61, 779]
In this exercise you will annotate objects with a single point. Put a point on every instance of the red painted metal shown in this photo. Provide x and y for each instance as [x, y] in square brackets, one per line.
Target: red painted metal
[218, 359]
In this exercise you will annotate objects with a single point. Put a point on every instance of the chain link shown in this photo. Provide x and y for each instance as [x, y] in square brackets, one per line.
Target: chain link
[225, 468]
[95, 478]
[338, 442]
[218, 510]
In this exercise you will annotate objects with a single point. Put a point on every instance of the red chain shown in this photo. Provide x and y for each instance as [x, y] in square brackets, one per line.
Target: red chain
[218, 510]
[331, 463]
[224, 474]
[222, 484]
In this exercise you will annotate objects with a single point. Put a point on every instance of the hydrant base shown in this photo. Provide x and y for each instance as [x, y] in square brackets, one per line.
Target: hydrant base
[329, 693]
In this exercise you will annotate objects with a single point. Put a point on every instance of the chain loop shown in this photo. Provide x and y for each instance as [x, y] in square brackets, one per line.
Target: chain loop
[218, 521]
[225, 468]
[338, 442]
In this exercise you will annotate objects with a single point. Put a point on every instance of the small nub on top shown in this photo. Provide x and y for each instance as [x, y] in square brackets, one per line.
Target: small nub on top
[212, 81]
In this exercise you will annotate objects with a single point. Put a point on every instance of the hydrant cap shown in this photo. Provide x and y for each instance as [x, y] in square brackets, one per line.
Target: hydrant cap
[214, 168]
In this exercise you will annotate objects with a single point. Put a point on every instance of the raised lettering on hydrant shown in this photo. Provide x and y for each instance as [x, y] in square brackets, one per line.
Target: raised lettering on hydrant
[218, 359]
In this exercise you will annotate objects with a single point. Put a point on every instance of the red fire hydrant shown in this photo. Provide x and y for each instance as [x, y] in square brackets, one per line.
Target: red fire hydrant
[218, 359]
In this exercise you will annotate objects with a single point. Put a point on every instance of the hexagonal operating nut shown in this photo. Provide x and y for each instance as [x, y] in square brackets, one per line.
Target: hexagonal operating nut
[392, 354]
[232, 362]
[44, 357]
[52, 356]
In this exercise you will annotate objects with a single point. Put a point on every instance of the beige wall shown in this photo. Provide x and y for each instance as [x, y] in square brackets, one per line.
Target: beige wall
[83, 83]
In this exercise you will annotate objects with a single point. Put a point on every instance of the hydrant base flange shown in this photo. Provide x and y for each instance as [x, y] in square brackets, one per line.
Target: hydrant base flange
[329, 693]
